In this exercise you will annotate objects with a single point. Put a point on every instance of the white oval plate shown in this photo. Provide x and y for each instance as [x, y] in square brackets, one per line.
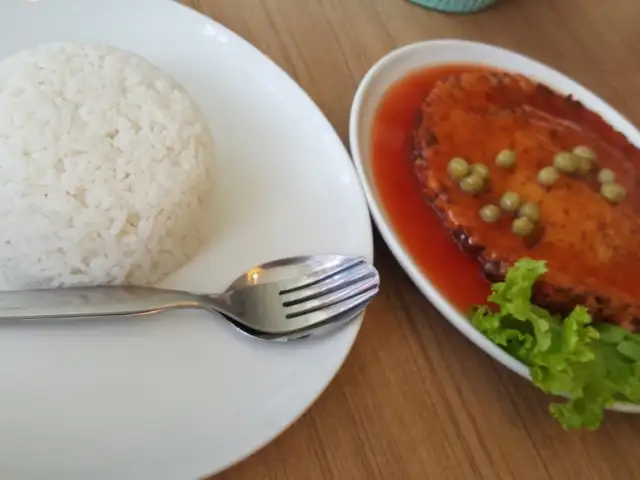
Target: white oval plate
[395, 66]
[181, 396]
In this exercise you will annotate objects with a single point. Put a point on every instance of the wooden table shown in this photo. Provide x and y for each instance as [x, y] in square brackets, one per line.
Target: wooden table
[416, 400]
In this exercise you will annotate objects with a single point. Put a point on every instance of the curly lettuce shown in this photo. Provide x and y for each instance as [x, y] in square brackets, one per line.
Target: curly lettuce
[592, 366]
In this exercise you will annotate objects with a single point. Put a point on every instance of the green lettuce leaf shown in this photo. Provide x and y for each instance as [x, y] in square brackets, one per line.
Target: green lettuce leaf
[591, 366]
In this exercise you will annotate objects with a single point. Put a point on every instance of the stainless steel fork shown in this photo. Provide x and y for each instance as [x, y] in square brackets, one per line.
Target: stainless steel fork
[282, 300]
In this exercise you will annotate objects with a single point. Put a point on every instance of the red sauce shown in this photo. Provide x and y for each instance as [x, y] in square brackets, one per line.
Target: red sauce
[456, 274]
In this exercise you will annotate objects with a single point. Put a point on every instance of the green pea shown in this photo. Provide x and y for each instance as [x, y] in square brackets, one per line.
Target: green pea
[584, 152]
[481, 170]
[510, 202]
[472, 184]
[548, 176]
[530, 210]
[490, 213]
[566, 162]
[614, 192]
[606, 176]
[458, 168]
[584, 165]
[522, 226]
[506, 159]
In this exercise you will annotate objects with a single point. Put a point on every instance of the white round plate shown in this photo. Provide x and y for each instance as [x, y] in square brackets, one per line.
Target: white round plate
[183, 395]
[395, 66]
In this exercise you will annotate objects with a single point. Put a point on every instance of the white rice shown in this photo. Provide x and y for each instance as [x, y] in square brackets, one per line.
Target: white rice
[103, 169]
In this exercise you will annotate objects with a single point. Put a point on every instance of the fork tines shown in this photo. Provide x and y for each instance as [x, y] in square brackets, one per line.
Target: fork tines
[348, 285]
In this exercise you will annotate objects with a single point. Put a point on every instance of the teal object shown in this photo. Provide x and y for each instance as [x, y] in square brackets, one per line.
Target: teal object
[455, 6]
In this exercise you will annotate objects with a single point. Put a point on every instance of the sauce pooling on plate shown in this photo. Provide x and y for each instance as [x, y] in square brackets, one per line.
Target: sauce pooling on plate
[481, 157]
[419, 229]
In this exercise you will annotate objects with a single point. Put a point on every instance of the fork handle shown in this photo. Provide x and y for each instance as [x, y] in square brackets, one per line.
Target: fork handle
[87, 302]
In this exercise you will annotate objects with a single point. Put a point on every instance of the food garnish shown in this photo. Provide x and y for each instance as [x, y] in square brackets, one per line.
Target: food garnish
[584, 152]
[606, 176]
[593, 366]
[566, 162]
[490, 213]
[472, 184]
[584, 165]
[530, 210]
[506, 159]
[548, 176]
[523, 227]
[510, 202]
[458, 168]
[614, 192]
[481, 170]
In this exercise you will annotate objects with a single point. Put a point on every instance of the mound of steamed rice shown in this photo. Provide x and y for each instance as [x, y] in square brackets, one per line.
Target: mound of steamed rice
[103, 169]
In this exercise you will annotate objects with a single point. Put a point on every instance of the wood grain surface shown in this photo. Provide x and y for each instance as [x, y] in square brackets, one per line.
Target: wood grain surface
[416, 400]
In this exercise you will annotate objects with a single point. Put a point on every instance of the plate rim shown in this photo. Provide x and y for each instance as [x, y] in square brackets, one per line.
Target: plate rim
[377, 209]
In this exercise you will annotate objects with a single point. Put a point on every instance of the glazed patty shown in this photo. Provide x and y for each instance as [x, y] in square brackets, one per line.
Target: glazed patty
[592, 246]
